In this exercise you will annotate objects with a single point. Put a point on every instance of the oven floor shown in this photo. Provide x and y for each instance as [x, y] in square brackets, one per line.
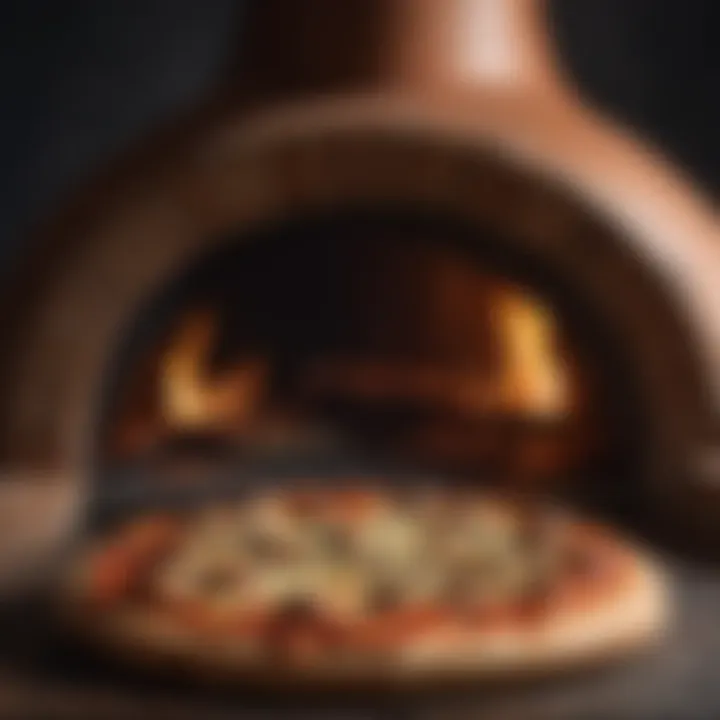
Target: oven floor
[43, 677]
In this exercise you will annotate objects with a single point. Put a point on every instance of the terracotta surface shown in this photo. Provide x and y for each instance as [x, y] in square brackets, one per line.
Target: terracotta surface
[456, 108]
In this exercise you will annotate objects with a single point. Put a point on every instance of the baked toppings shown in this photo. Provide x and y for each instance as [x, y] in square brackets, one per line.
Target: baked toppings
[333, 584]
[348, 558]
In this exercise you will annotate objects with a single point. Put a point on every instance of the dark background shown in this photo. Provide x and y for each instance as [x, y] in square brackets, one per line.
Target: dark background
[81, 79]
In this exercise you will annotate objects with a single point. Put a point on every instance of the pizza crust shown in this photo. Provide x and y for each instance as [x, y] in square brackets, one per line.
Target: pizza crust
[631, 615]
[635, 615]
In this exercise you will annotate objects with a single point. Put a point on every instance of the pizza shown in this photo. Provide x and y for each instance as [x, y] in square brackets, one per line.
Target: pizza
[359, 584]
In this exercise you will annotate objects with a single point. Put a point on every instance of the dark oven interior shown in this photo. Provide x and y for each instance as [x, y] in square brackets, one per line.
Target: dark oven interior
[390, 343]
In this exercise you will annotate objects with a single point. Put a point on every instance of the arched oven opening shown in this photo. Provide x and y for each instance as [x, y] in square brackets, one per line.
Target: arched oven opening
[389, 343]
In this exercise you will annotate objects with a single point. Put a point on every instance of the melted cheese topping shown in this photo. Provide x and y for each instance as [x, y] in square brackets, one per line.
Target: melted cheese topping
[264, 554]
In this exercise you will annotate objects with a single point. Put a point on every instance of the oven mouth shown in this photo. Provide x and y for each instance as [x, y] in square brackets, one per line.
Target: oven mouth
[374, 342]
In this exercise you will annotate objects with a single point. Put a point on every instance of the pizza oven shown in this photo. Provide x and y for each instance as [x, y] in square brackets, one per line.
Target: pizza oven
[400, 249]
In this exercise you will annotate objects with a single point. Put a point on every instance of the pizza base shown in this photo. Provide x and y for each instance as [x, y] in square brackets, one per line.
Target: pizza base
[632, 617]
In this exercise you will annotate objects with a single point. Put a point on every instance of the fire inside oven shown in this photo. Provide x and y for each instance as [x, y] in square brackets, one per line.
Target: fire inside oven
[366, 343]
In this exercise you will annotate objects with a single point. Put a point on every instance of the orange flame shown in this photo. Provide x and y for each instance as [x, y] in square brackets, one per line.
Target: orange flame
[191, 398]
[534, 379]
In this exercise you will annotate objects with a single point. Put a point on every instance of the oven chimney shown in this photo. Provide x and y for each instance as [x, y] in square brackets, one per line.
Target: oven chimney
[312, 47]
